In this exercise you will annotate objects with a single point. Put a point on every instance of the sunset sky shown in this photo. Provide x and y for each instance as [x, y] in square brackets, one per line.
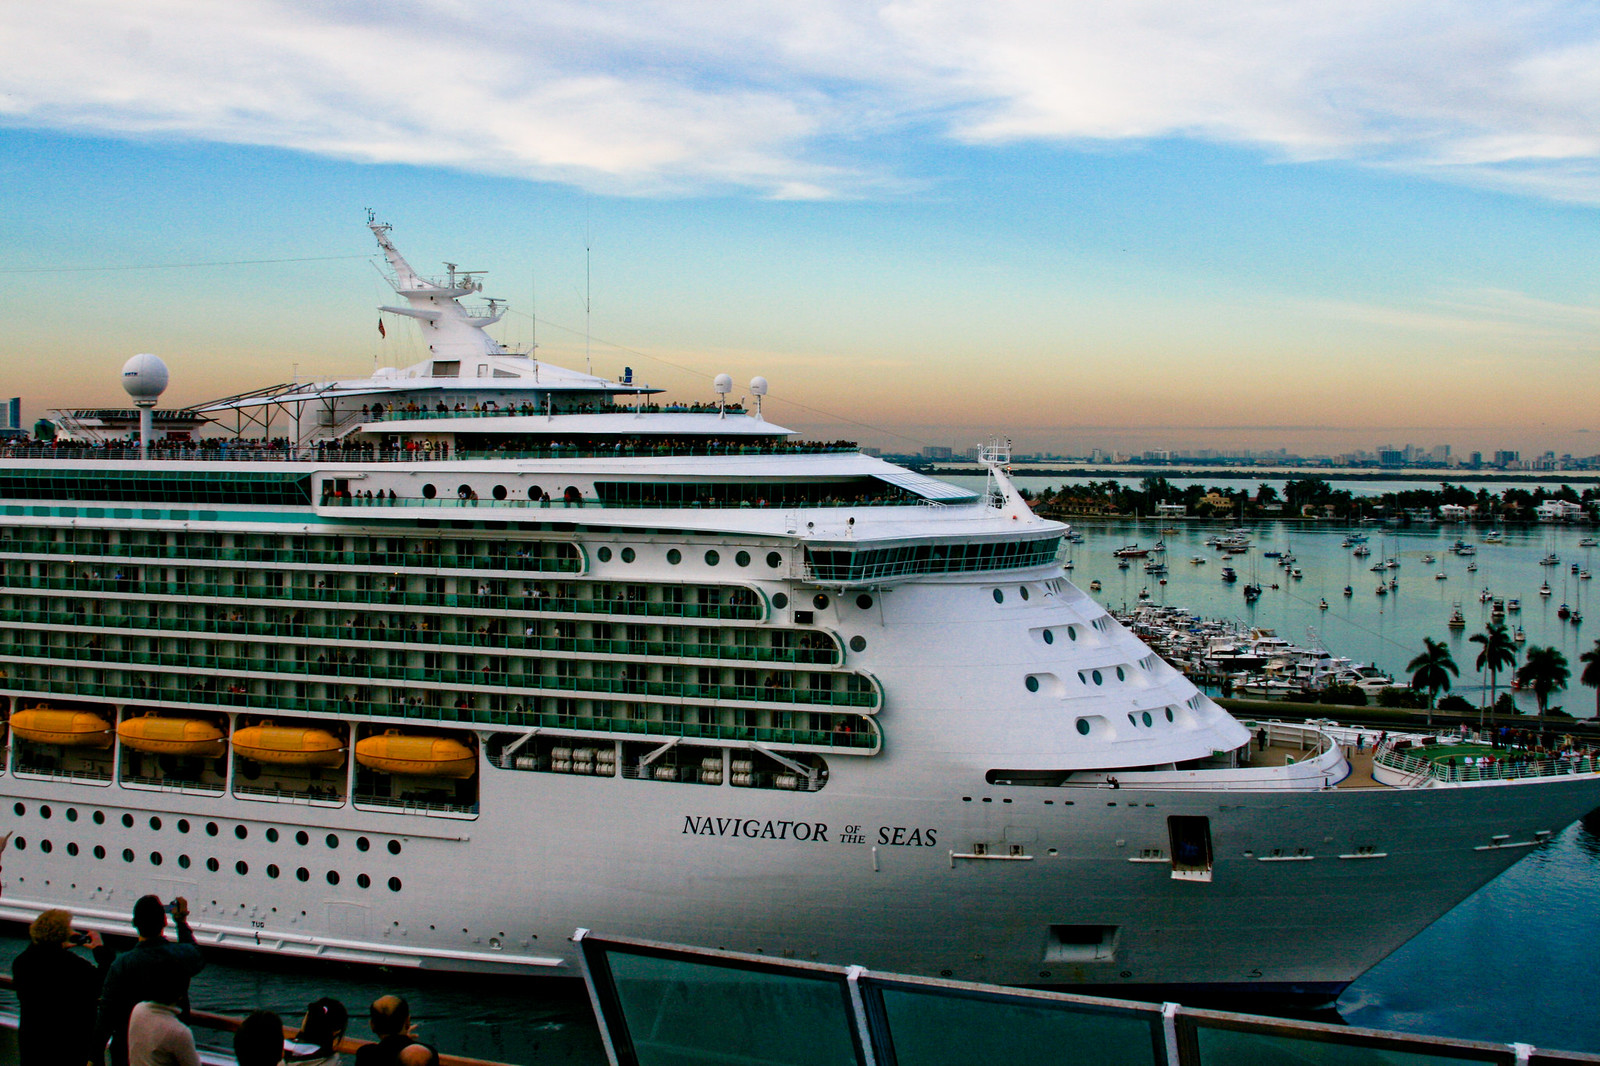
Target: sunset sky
[1125, 225]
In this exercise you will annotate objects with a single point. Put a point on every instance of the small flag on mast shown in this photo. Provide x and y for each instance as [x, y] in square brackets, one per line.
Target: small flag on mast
[381, 331]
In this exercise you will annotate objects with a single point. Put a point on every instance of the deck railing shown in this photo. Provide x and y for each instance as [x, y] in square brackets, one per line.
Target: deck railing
[1504, 765]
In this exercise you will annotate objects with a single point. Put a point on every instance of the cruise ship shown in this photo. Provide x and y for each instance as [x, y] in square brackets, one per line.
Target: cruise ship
[430, 668]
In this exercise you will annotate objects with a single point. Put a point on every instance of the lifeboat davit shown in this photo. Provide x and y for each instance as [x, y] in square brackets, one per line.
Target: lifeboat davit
[286, 745]
[67, 729]
[160, 735]
[415, 755]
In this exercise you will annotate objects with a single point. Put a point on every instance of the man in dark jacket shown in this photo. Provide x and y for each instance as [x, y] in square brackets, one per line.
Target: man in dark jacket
[56, 990]
[137, 970]
[391, 1024]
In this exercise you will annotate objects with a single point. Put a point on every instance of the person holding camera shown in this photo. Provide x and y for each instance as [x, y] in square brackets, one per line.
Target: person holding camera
[56, 991]
[152, 962]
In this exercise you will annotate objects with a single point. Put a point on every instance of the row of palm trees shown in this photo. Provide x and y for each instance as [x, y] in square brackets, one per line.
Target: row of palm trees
[1544, 670]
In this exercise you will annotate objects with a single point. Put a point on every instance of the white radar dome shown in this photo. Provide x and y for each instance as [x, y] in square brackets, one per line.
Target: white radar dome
[144, 376]
[758, 386]
[722, 384]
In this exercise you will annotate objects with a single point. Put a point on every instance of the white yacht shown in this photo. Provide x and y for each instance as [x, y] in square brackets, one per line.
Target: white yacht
[430, 668]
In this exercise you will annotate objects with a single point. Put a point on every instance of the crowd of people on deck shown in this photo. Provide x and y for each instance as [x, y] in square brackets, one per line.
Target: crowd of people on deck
[75, 1008]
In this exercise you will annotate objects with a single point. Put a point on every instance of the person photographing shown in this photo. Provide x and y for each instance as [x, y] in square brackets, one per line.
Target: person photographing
[154, 962]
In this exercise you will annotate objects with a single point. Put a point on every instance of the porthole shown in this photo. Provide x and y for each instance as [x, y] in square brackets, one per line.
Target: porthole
[72, 848]
[363, 880]
[1120, 675]
[99, 852]
[333, 877]
[464, 492]
[1097, 678]
[272, 870]
[864, 602]
[301, 838]
[211, 829]
[1169, 714]
[99, 817]
[394, 884]
[20, 843]
[1032, 683]
[779, 601]
[999, 596]
[674, 556]
[1049, 637]
[127, 854]
[45, 846]
[858, 643]
[18, 809]
[1083, 726]
[213, 865]
[127, 821]
[604, 554]
[272, 835]
[183, 862]
[820, 602]
[394, 847]
[1148, 721]
[302, 874]
[712, 558]
[183, 825]
[1132, 720]
[741, 558]
[628, 555]
[155, 858]
[1072, 632]
[534, 492]
[333, 840]
[44, 811]
[499, 492]
[240, 831]
[774, 559]
[429, 492]
[362, 843]
[241, 867]
[72, 814]
[1022, 590]
[155, 823]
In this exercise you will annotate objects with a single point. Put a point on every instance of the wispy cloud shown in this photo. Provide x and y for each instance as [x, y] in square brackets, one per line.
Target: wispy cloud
[797, 101]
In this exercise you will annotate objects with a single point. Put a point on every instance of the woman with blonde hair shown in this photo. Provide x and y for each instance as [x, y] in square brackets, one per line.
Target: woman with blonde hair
[57, 991]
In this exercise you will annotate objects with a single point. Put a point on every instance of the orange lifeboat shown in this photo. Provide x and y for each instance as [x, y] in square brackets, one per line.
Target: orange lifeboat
[411, 755]
[67, 729]
[286, 745]
[159, 735]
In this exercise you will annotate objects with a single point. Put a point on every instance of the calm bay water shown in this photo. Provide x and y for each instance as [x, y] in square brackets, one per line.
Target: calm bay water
[1511, 963]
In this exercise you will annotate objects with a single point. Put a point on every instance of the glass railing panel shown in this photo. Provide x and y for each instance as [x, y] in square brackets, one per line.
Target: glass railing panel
[683, 1013]
[937, 1026]
[1255, 1040]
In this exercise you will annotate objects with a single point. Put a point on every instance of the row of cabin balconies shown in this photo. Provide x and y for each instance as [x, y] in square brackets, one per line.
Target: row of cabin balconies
[810, 647]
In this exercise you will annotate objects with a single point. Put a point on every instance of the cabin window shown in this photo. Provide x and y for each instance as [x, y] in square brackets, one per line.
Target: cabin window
[1083, 726]
[674, 556]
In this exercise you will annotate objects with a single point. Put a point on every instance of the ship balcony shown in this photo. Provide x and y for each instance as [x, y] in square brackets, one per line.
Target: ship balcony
[754, 611]
[569, 561]
[851, 734]
[364, 634]
[865, 699]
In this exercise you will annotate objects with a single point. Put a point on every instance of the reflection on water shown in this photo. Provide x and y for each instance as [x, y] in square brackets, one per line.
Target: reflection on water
[1511, 963]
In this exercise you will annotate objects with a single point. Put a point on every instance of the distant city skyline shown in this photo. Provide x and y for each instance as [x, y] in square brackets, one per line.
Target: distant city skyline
[1123, 227]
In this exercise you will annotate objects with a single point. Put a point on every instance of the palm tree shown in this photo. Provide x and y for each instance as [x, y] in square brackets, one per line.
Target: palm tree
[1499, 651]
[1545, 671]
[1591, 673]
[1432, 670]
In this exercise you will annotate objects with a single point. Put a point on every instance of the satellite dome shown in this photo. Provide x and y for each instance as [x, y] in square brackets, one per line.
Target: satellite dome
[145, 377]
[758, 386]
[722, 384]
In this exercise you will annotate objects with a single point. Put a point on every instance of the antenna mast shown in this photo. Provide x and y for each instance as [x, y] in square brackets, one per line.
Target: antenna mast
[588, 364]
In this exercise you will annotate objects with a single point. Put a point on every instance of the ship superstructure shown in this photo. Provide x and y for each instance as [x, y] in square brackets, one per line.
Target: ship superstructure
[485, 650]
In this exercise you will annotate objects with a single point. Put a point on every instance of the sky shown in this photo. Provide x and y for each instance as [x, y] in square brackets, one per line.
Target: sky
[1126, 225]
